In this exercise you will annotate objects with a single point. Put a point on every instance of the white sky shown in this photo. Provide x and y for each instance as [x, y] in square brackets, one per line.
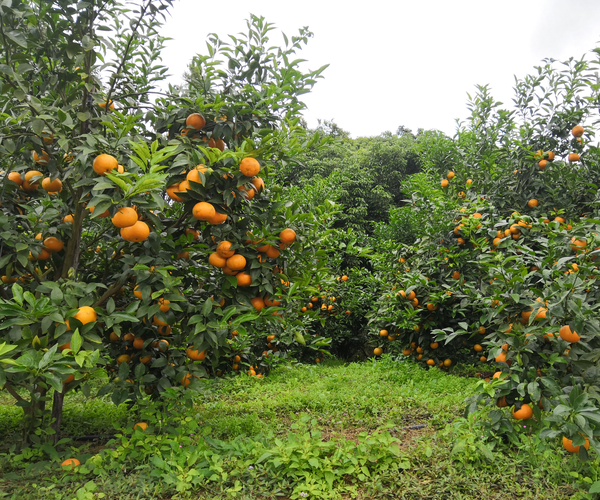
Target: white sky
[400, 63]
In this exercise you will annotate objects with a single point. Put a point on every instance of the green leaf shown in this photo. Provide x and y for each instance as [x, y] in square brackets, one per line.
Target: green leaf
[110, 306]
[76, 341]
[595, 488]
[37, 126]
[17, 291]
[299, 338]
[56, 295]
[207, 307]
[17, 37]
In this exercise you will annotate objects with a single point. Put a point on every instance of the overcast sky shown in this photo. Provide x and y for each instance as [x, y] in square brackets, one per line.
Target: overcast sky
[400, 63]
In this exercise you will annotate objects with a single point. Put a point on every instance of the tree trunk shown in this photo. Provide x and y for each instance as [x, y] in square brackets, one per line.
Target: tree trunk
[57, 411]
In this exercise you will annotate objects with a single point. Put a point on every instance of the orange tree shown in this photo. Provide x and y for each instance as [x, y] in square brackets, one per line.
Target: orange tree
[141, 239]
[503, 271]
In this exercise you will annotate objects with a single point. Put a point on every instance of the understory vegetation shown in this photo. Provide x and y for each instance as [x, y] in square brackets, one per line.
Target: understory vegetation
[366, 430]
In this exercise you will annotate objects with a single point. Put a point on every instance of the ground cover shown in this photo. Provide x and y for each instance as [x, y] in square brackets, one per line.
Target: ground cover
[373, 430]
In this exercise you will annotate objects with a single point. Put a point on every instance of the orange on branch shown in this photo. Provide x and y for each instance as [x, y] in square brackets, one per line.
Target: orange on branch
[125, 217]
[203, 211]
[249, 167]
[52, 186]
[137, 233]
[196, 121]
[104, 163]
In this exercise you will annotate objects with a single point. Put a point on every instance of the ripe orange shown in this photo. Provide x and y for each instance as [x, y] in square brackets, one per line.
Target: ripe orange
[431, 307]
[203, 211]
[195, 120]
[272, 252]
[52, 186]
[481, 330]
[16, 178]
[574, 157]
[434, 345]
[577, 131]
[275, 302]
[194, 232]
[246, 193]
[577, 245]
[568, 445]
[29, 184]
[344, 278]
[194, 174]
[165, 330]
[164, 304]
[186, 380]
[524, 413]
[501, 358]
[137, 233]
[41, 159]
[478, 348]
[259, 184]
[70, 463]
[532, 203]
[104, 163]
[194, 354]
[142, 426]
[125, 217]
[456, 275]
[258, 303]
[163, 345]
[243, 279]
[85, 315]
[53, 244]
[542, 164]
[249, 167]
[229, 272]
[171, 190]
[217, 219]
[103, 215]
[111, 105]
[220, 145]
[236, 262]
[450, 175]
[138, 343]
[224, 249]
[383, 333]
[287, 236]
[62, 347]
[123, 358]
[469, 182]
[216, 260]
[568, 335]
[378, 351]
[445, 183]
[447, 363]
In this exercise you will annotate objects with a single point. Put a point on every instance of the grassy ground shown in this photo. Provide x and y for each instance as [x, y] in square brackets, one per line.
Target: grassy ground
[371, 430]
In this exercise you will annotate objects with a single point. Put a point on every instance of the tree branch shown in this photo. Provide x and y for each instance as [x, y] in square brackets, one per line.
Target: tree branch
[113, 289]
[12, 392]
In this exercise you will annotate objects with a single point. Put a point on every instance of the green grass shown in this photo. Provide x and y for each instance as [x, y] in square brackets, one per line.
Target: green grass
[247, 438]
